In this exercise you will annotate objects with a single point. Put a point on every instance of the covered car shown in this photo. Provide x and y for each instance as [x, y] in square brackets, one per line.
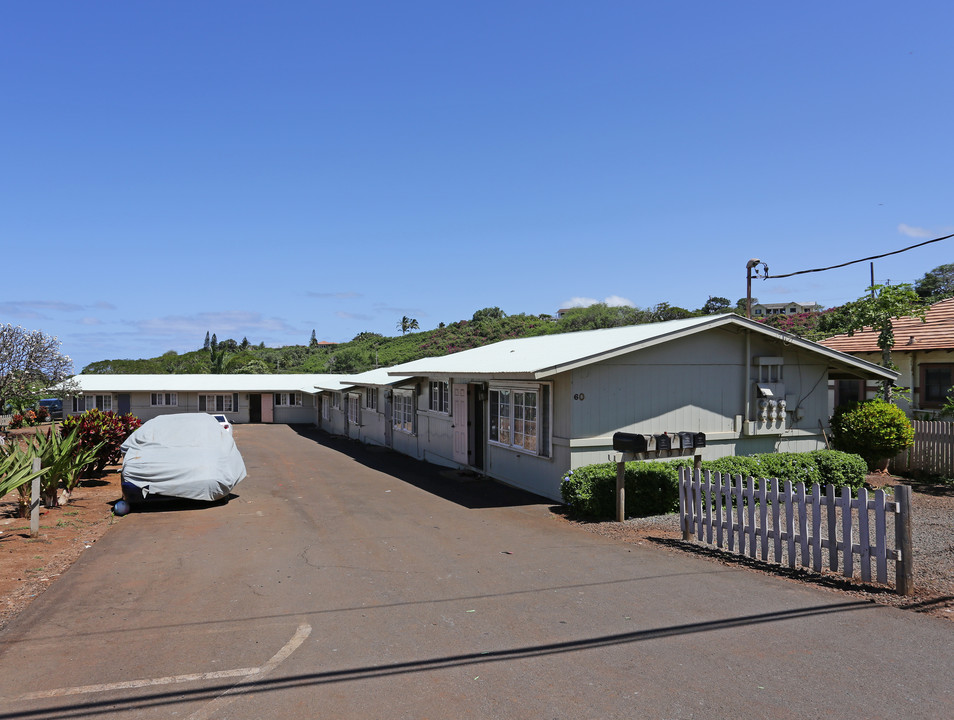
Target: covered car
[187, 455]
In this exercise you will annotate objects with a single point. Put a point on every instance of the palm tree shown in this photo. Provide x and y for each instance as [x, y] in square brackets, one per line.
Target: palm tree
[407, 323]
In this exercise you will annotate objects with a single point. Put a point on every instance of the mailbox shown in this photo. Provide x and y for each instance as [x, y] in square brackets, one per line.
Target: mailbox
[663, 442]
[686, 440]
[629, 442]
[699, 439]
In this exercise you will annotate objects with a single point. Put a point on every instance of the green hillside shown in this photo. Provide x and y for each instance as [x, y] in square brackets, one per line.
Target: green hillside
[370, 350]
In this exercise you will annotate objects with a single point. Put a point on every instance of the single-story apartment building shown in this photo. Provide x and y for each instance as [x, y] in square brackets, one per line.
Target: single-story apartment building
[242, 398]
[526, 411]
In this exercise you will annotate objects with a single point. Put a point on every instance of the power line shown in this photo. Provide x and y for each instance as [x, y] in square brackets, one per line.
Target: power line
[852, 262]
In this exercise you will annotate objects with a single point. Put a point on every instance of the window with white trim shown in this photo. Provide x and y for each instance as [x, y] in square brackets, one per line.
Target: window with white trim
[440, 396]
[520, 418]
[288, 399]
[82, 403]
[218, 403]
[371, 398]
[402, 411]
[325, 407]
[164, 399]
[336, 401]
[354, 408]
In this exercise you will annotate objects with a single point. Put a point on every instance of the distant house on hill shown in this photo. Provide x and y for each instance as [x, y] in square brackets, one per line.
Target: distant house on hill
[761, 310]
[923, 352]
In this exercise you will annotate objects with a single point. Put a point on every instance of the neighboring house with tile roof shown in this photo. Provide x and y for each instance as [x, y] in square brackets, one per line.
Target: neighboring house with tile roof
[923, 353]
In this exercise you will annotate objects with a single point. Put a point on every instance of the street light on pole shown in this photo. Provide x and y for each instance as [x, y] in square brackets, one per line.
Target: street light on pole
[751, 265]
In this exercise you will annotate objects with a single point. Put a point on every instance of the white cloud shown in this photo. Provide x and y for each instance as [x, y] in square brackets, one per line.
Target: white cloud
[353, 316]
[221, 323]
[914, 232]
[90, 321]
[612, 301]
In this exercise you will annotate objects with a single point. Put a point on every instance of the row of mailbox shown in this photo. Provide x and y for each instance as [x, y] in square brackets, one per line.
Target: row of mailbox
[637, 443]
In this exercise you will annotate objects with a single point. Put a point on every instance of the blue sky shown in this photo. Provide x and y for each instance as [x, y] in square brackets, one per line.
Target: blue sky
[264, 169]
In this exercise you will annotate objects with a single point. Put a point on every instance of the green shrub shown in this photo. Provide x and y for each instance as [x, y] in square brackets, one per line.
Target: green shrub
[819, 466]
[841, 468]
[652, 488]
[876, 430]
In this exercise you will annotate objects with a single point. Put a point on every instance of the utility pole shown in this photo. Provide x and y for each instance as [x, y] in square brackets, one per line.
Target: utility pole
[749, 267]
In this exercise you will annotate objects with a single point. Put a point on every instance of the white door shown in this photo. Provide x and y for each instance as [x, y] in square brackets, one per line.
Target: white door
[459, 424]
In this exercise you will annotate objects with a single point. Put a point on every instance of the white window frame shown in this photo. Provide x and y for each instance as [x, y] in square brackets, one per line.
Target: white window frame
[439, 400]
[163, 399]
[354, 408]
[292, 399]
[225, 403]
[336, 401]
[82, 403]
[403, 411]
[325, 407]
[371, 398]
[508, 429]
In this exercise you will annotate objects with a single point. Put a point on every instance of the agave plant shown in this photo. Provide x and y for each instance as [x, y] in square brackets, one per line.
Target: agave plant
[16, 472]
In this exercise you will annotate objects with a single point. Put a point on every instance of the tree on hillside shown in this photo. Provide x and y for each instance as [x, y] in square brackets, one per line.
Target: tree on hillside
[664, 311]
[407, 324]
[314, 340]
[205, 345]
[489, 313]
[30, 364]
[937, 284]
[244, 344]
[715, 305]
[876, 310]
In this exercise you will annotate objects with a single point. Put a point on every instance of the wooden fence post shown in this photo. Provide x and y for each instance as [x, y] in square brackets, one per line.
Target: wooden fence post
[621, 490]
[35, 500]
[904, 568]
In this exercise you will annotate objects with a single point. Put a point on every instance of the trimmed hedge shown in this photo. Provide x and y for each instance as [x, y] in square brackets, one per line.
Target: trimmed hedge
[652, 488]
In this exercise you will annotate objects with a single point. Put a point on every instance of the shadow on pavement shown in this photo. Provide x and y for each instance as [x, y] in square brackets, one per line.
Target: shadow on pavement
[463, 488]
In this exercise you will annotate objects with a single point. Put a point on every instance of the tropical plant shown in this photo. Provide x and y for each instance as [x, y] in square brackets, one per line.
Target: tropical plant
[16, 473]
[64, 458]
[406, 324]
[104, 430]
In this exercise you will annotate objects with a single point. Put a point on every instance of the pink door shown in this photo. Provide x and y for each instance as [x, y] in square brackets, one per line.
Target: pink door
[459, 424]
[268, 414]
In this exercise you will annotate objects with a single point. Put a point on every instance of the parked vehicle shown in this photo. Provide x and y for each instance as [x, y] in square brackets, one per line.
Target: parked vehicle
[224, 422]
[186, 455]
[54, 406]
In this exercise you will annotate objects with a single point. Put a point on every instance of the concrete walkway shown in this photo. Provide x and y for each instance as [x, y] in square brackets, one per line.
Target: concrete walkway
[348, 582]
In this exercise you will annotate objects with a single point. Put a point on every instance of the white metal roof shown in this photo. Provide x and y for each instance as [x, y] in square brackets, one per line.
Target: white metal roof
[378, 377]
[546, 355]
[197, 383]
[333, 383]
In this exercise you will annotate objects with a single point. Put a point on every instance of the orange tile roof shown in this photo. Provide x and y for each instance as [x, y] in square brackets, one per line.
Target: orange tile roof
[935, 333]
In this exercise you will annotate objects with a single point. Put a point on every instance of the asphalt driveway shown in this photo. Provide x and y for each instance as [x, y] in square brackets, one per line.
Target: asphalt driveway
[348, 582]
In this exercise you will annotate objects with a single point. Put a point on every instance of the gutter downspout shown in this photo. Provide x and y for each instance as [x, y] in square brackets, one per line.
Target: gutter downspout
[745, 377]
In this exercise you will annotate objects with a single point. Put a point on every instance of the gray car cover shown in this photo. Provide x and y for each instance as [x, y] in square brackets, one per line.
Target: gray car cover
[188, 455]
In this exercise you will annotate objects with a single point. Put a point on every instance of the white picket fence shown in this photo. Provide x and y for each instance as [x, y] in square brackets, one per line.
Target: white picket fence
[776, 521]
[933, 449]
